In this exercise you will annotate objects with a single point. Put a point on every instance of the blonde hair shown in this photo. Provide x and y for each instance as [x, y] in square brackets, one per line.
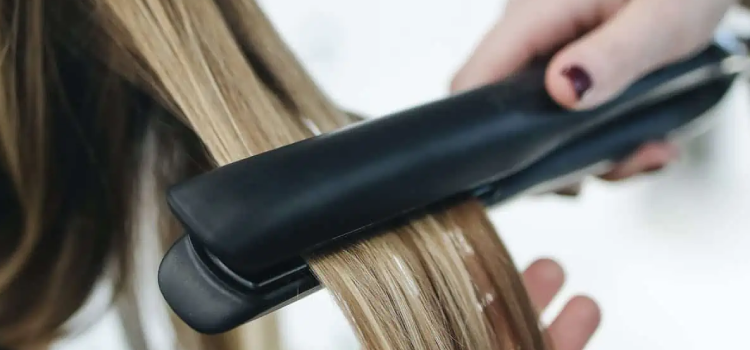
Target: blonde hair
[233, 90]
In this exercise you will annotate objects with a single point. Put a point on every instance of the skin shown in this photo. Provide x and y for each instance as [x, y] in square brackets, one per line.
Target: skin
[579, 318]
[614, 41]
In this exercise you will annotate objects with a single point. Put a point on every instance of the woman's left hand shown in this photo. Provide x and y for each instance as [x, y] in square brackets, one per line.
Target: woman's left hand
[579, 319]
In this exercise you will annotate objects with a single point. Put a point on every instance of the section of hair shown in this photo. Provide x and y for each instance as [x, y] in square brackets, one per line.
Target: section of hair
[71, 131]
[415, 288]
[231, 89]
[443, 281]
[191, 55]
[69, 140]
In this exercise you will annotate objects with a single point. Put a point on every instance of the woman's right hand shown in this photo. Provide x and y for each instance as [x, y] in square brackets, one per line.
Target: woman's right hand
[604, 45]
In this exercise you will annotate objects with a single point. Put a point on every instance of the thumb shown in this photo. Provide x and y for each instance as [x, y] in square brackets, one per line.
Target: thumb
[643, 36]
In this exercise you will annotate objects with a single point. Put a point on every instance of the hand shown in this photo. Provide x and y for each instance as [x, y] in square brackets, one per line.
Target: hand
[606, 45]
[580, 317]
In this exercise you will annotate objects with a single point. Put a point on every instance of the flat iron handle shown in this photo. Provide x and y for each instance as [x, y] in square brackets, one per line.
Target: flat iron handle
[595, 151]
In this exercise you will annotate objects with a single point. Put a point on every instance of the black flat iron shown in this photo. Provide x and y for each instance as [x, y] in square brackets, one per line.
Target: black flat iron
[249, 224]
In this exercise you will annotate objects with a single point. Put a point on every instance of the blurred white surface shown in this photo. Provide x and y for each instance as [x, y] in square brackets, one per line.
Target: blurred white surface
[665, 255]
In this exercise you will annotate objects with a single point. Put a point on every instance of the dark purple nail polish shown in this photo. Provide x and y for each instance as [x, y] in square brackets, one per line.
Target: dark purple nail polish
[653, 169]
[580, 79]
[570, 191]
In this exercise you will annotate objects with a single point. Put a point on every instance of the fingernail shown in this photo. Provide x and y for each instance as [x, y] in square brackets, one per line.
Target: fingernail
[579, 78]
[653, 169]
[571, 194]
[570, 191]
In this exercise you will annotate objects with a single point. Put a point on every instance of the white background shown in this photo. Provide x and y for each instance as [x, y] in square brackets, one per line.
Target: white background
[667, 256]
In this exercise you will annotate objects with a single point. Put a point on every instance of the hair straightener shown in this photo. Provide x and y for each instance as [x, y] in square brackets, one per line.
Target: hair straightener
[250, 223]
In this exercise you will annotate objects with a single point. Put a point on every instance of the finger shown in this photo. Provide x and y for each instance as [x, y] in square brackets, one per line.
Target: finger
[516, 39]
[543, 280]
[575, 325]
[650, 157]
[642, 36]
[571, 191]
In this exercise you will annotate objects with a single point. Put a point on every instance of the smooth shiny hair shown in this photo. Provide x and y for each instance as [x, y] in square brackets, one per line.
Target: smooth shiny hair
[105, 103]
